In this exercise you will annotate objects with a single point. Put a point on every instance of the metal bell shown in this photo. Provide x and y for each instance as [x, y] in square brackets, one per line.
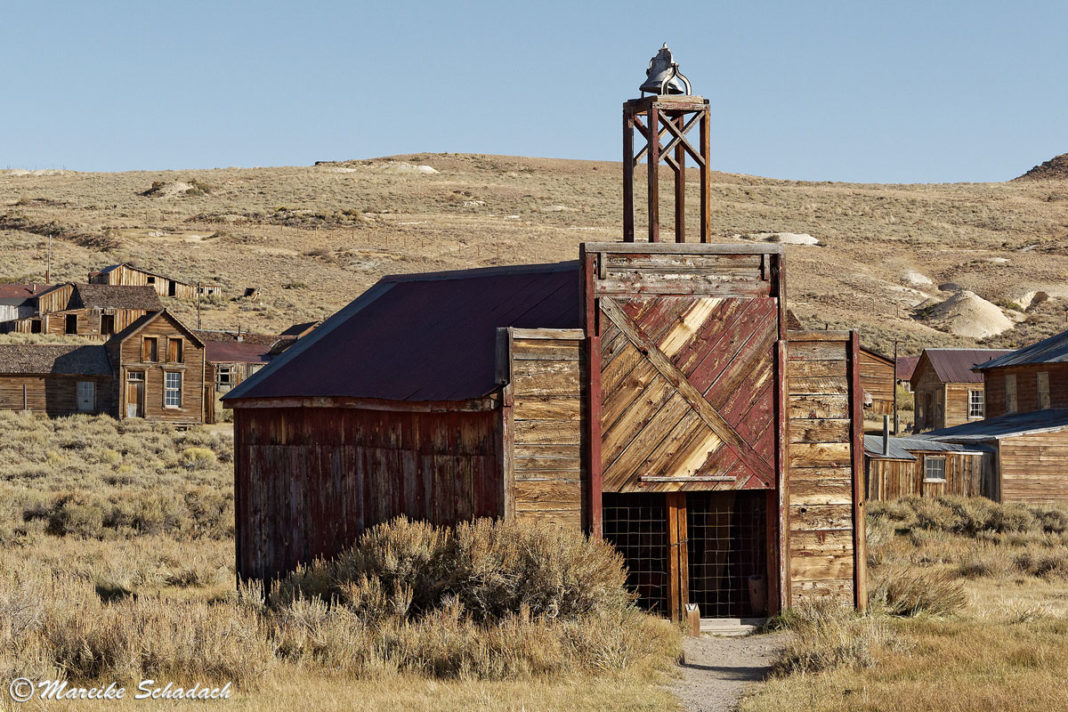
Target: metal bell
[663, 75]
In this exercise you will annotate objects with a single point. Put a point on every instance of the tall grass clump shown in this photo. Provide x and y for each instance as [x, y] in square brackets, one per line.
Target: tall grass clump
[827, 635]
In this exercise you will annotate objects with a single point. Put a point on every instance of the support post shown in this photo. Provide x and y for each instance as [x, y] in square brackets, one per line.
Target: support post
[706, 182]
[592, 395]
[628, 175]
[680, 186]
[678, 559]
[654, 174]
[856, 405]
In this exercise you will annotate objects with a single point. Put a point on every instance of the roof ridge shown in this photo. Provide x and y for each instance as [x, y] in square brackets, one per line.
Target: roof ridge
[480, 272]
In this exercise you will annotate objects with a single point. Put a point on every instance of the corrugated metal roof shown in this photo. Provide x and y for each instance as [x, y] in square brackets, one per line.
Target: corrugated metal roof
[62, 359]
[902, 448]
[1051, 350]
[955, 365]
[905, 367]
[421, 337]
[235, 352]
[1004, 426]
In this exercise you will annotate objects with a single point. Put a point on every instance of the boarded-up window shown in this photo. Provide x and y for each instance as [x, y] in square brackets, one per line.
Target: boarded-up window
[1010, 392]
[1043, 389]
[975, 404]
[86, 396]
[148, 349]
[934, 468]
[224, 377]
[174, 350]
[172, 389]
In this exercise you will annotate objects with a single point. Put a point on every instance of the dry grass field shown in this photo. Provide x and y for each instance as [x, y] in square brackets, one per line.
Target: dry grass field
[312, 238]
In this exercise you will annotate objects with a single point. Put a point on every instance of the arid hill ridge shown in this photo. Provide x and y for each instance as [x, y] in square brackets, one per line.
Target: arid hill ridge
[312, 238]
[1055, 168]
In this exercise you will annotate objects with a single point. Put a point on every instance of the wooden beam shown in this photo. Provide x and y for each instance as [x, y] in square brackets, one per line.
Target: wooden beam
[860, 554]
[556, 334]
[678, 593]
[592, 475]
[706, 182]
[654, 171]
[684, 478]
[751, 248]
[781, 600]
[478, 404]
[693, 397]
[680, 191]
[628, 175]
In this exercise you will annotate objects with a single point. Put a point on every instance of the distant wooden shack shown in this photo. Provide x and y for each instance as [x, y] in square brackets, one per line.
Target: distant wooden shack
[18, 301]
[877, 381]
[947, 390]
[639, 394]
[91, 310]
[128, 275]
[56, 379]
[901, 467]
[1028, 379]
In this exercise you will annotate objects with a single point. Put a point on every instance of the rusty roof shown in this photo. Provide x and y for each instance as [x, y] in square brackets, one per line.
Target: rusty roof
[421, 337]
[22, 292]
[1051, 350]
[236, 352]
[906, 365]
[115, 296]
[955, 365]
[62, 359]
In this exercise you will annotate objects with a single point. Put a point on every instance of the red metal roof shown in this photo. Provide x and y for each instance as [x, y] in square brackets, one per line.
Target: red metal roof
[22, 291]
[235, 352]
[422, 337]
[955, 365]
[905, 366]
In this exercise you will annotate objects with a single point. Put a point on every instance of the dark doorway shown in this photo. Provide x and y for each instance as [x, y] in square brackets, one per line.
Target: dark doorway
[107, 324]
[72, 324]
[172, 288]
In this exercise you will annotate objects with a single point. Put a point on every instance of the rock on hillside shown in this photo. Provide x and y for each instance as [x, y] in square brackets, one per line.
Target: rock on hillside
[1053, 169]
[968, 314]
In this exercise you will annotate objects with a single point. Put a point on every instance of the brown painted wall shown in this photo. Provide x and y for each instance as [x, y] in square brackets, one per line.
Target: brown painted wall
[546, 475]
[1026, 387]
[308, 481]
[192, 369]
[1033, 468]
[52, 394]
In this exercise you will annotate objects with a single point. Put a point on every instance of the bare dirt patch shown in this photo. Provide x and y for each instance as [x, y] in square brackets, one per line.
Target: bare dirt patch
[717, 671]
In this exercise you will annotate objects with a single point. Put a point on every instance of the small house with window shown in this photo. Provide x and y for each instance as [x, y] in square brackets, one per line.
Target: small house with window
[90, 310]
[128, 275]
[55, 379]
[160, 370]
[925, 467]
[947, 390]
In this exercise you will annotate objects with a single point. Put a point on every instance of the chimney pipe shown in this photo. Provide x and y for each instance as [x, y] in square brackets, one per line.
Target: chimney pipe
[886, 435]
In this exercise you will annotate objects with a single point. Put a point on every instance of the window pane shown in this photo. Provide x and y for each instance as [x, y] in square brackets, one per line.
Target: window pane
[172, 389]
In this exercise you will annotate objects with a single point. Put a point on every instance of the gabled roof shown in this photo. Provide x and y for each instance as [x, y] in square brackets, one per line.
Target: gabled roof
[902, 448]
[19, 293]
[235, 352]
[1051, 350]
[955, 365]
[62, 359]
[1004, 426]
[115, 296]
[147, 319]
[421, 337]
[112, 268]
[906, 365]
[301, 329]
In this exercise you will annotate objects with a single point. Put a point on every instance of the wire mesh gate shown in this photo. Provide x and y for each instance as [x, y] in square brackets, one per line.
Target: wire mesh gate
[714, 554]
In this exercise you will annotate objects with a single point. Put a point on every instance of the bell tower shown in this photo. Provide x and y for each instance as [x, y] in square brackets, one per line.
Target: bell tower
[669, 112]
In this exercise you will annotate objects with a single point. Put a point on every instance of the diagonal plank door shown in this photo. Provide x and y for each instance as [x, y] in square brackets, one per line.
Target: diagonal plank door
[688, 393]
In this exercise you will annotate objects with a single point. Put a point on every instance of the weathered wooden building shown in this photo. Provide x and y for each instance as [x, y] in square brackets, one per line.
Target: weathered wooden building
[91, 310]
[877, 380]
[906, 366]
[901, 467]
[1030, 453]
[231, 362]
[947, 390]
[1032, 378]
[128, 275]
[159, 370]
[649, 393]
[18, 301]
[56, 379]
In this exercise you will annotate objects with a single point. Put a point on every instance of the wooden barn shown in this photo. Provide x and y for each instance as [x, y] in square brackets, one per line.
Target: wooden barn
[1032, 378]
[91, 310]
[877, 380]
[128, 275]
[1030, 453]
[649, 393]
[901, 467]
[56, 379]
[947, 390]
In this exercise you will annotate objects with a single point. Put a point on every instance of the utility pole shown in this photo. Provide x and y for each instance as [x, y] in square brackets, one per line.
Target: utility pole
[48, 261]
[198, 306]
[897, 418]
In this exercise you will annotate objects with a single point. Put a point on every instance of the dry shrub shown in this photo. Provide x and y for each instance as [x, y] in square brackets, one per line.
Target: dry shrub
[908, 591]
[826, 635]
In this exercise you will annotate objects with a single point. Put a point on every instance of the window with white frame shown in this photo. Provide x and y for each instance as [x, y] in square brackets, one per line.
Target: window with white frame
[172, 389]
[934, 468]
[224, 377]
[976, 406]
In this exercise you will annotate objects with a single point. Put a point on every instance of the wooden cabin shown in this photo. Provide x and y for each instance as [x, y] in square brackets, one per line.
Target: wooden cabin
[902, 467]
[128, 275]
[1029, 379]
[18, 301]
[160, 368]
[91, 310]
[639, 394]
[56, 379]
[947, 390]
[1030, 453]
[231, 362]
[877, 380]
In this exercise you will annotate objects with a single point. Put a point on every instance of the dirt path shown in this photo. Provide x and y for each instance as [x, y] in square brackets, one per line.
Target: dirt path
[716, 671]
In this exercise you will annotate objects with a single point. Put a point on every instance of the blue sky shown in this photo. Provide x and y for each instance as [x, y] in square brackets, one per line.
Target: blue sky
[849, 91]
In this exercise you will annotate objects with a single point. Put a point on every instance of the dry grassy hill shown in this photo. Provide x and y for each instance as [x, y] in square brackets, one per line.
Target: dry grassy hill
[312, 238]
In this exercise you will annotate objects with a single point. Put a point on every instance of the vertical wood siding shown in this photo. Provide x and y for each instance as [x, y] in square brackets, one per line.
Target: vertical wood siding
[891, 479]
[192, 369]
[819, 479]
[308, 481]
[546, 377]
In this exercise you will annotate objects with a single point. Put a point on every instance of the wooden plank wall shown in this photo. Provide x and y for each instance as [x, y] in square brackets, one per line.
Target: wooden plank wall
[192, 368]
[1033, 467]
[821, 490]
[88, 321]
[877, 380]
[891, 479]
[134, 277]
[1026, 387]
[546, 373]
[308, 481]
[53, 394]
[956, 403]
